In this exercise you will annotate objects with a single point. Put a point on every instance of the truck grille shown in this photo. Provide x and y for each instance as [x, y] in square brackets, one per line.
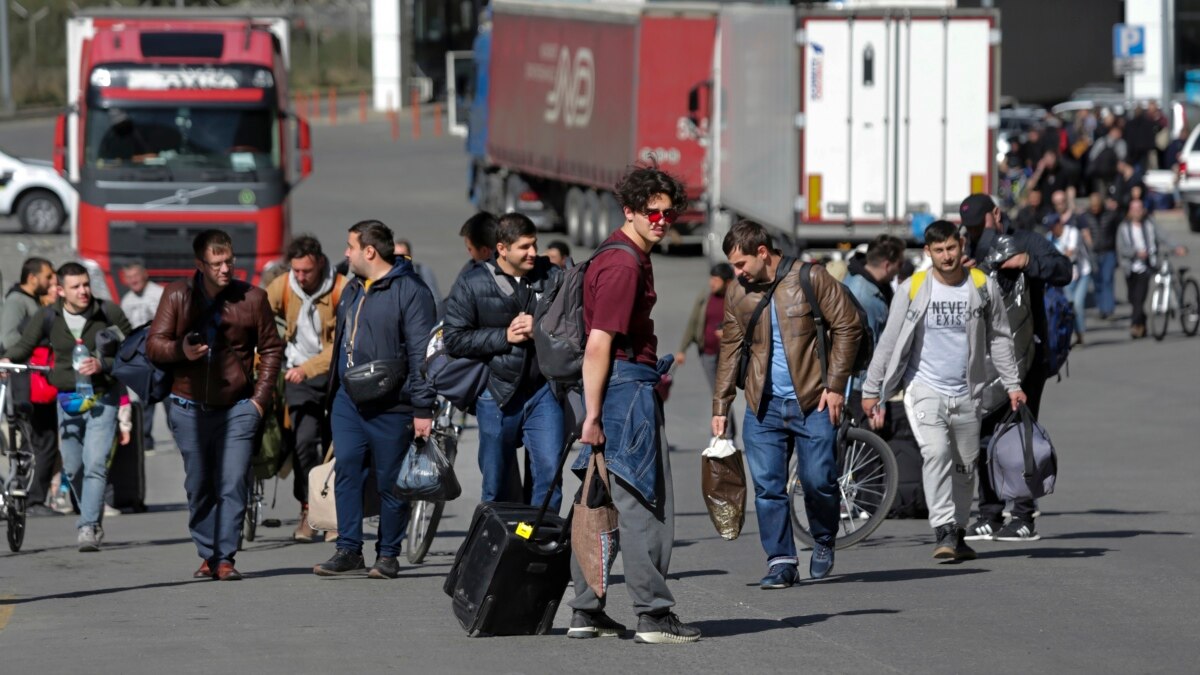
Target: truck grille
[166, 248]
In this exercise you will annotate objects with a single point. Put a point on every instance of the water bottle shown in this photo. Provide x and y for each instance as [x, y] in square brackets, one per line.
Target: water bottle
[83, 383]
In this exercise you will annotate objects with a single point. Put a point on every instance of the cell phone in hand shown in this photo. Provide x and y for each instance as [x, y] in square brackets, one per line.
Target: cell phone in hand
[193, 339]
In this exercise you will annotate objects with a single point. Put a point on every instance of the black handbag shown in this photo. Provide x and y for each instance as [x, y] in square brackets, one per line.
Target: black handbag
[371, 382]
[743, 367]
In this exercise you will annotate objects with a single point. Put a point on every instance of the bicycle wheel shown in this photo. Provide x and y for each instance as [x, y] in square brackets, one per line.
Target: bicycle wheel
[16, 523]
[1189, 307]
[868, 479]
[1160, 313]
[423, 522]
[253, 510]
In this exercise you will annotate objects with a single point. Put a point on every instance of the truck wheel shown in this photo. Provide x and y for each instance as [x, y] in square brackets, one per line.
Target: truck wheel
[591, 219]
[573, 210]
[41, 212]
[610, 217]
[1193, 216]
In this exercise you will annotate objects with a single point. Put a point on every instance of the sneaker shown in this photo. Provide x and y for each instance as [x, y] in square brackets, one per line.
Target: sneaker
[385, 568]
[982, 530]
[40, 511]
[664, 629]
[342, 562]
[586, 625]
[1017, 530]
[88, 541]
[111, 511]
[781, 575]
[947, 542]
[821, 563]
[961, 550]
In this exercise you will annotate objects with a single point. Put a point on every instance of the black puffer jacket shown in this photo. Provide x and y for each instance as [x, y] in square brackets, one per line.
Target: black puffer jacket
[482, 304]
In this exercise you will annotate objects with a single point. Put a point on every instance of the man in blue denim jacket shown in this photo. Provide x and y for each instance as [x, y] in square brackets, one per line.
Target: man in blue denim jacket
[624, 416]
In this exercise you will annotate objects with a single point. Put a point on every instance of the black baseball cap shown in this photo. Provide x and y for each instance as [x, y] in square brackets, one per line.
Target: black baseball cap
[975, 208]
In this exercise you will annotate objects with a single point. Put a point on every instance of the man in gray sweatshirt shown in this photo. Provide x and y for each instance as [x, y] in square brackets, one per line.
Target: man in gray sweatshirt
[941, 326]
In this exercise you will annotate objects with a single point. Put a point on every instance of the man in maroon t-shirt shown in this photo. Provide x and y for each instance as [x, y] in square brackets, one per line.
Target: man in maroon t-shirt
[619, 361]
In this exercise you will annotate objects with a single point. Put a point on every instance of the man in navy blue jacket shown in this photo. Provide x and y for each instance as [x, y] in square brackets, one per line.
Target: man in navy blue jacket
[385, 314]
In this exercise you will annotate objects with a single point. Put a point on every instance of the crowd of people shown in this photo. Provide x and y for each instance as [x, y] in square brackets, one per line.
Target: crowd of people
[339, 351]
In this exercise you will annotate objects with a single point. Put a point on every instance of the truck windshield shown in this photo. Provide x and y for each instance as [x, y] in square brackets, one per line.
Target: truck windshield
[237, 141]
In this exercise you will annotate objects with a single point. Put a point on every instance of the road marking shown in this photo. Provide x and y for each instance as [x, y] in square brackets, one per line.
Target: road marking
[6, 611]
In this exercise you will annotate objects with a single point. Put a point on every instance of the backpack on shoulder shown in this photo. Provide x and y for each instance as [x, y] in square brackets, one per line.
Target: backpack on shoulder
[1060, 329]
[461, 381]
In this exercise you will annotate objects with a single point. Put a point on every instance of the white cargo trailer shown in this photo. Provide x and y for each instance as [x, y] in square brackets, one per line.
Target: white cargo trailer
[838, 125]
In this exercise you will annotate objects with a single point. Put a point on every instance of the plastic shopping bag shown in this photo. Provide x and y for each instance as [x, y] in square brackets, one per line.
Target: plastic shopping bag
[427, 474]
[723, 482]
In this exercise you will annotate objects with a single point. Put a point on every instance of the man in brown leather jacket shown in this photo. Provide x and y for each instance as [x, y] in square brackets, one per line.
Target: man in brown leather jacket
[206, 333]
[789, 401]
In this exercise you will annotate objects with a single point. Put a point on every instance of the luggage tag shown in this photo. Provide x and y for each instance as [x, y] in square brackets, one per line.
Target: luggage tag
[524, 530]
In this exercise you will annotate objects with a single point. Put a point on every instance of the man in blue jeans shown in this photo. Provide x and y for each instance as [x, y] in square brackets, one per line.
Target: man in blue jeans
[489, 317]
[87, 422]
[206, 332]
[787, 404]
[384, 318]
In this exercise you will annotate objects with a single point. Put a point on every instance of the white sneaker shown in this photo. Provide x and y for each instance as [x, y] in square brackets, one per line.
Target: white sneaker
[111, 511]
[88, 539]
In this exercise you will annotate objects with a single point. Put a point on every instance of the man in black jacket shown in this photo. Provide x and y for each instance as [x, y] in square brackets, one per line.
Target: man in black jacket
[384, 318]
[1041, 264]
[489, 316]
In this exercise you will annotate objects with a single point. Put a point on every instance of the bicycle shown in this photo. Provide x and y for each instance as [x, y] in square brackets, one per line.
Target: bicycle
[424, 516]
[868, 479]
[1174, 293]
[21, 460]
[255, 497]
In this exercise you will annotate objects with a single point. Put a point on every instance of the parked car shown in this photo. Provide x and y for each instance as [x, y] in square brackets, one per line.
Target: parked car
[33, 193]
[1189, 178]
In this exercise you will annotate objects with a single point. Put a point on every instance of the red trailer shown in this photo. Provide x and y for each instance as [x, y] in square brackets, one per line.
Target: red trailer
[576, 94]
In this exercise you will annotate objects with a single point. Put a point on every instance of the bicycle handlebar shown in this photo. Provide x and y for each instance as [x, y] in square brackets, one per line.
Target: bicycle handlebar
[22, 367]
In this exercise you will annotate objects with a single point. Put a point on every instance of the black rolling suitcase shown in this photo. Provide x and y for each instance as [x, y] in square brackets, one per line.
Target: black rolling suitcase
[127, 469]
[510, 573]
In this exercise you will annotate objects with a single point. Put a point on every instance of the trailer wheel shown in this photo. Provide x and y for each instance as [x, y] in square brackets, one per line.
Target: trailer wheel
[573, 211]
[591, 220]
[611, 217]
[513, 187]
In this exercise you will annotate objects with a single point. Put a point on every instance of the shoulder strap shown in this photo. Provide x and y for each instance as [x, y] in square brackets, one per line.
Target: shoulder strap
[818, 319]
[47, 321]
[916, 280]
[608, 246]
[339, 284]
[979, 280]
[785, 266]
[287, 293]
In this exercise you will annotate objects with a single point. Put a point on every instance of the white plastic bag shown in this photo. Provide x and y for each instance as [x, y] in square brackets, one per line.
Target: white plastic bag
[719, 447]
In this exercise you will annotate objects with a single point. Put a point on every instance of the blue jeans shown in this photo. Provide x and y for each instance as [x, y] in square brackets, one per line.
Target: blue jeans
[85, 440]
[535, 420]
[216, 445]
[1106, 264]
[769, 440]
[378, 442]
[1077, 292]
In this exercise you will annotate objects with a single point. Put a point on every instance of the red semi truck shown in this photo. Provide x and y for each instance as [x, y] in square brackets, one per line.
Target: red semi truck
[570, 95]
[177, 123]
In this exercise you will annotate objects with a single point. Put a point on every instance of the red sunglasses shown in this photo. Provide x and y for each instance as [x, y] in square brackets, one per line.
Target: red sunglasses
[666, 215]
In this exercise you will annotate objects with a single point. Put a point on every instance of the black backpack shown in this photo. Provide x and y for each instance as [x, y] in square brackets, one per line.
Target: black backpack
[866, 346]
[135, 370]
[559, 336]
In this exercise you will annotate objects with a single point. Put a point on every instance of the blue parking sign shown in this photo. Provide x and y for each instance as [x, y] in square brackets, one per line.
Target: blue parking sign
[1129, 48]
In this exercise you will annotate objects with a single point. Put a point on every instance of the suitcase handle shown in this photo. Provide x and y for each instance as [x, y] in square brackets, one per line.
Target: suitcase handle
[558, 479]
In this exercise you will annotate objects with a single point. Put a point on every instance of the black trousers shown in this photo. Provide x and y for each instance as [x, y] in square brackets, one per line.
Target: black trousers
[308, 435]
[43, 417]
[991, 506]
[1138, 286]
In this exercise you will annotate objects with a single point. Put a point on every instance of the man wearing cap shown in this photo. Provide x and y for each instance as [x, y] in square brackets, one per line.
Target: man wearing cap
[1041, 264]
[704, 326]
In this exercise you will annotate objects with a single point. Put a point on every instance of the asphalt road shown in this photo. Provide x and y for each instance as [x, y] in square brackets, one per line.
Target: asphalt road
[1111, 587]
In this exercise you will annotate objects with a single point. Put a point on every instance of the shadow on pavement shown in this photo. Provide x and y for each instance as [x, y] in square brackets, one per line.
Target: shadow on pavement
[1046, 553]
[697, 573]
[731, 627]
[75, 595]
[113, 546]
[914, 574]
[1102, 512]
[1114, 534]
[164, 508]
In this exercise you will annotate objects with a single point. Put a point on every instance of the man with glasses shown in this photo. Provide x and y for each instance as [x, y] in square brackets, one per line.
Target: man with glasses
[207, 332]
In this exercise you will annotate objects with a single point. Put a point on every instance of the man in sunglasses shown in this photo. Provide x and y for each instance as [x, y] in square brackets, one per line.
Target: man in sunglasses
[620, 360]
[207, 331]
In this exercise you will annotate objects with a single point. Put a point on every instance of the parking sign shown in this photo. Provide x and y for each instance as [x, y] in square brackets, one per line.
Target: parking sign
[1129, 48]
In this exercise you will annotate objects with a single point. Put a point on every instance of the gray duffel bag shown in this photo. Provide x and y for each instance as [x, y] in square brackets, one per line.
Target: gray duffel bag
[1021, 457]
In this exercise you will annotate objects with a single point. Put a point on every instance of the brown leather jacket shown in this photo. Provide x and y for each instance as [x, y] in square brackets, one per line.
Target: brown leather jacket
[799, 333]
[226, 376]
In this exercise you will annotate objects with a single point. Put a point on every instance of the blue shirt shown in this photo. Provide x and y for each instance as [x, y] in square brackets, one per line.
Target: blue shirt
[781, 375]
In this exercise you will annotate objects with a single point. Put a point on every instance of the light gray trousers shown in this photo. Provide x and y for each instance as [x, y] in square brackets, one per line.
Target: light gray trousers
[947, 429]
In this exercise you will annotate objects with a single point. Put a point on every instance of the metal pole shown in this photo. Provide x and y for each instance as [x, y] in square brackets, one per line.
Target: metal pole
[6, 99]
[1168, 60]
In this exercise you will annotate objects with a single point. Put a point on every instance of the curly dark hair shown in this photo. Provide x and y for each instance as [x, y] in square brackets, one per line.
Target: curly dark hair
[637, 187]
[303, 246]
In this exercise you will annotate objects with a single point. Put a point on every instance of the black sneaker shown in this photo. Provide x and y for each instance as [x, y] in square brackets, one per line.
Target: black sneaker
[593, 624]
[342, 562]
[664, 629]
[385, 568]
[961, 550]
[1017, 530]
[947, 542]
[982, 530]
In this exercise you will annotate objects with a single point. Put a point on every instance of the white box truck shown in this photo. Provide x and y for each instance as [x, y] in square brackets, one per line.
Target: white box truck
[834, 126]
